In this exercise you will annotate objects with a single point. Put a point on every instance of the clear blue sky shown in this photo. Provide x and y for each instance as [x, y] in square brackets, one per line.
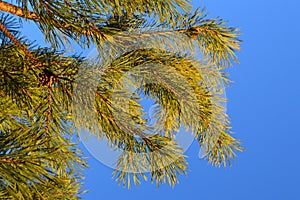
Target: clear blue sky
[264, 106]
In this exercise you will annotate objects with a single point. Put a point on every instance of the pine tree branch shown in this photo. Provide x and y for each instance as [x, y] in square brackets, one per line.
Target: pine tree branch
[191, 32]
[20, 86]
[151, 145]
[17, 42]
[47, 7]
[48, 110]
[148, 142]
[12, 160]
[93, 27]
[15, 10]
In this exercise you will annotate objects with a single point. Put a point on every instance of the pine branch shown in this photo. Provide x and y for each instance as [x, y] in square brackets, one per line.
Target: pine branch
[18, 11]
[19, 85]
[12, 161]
[15, 10]
[48, 109]
[39, 101]
[18, 43]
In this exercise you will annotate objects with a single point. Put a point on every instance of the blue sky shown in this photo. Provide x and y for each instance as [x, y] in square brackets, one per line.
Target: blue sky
[264, 106]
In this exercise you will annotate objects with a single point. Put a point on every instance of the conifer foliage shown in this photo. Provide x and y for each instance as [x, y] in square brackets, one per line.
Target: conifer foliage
[46, 93]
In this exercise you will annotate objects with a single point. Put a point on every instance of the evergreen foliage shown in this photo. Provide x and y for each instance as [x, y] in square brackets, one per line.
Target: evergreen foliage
[45, 94]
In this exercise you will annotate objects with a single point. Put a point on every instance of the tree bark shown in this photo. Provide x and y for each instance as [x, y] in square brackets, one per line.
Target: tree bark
[15, 10]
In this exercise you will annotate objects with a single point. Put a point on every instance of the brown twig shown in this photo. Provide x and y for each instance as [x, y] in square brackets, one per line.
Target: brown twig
[17, 42]
[15, 10]
[48, 111]
[47, 8]
[12, 160]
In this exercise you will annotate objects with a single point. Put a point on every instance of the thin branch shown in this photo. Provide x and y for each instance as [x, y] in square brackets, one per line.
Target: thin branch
[47, 8]
[93, 27]
[148, 142]
[20, 86]
[18, 161]
[17, 42]
[48, 111]
[15, 10]
[6, 7]
[11, 160]
[184, 101]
